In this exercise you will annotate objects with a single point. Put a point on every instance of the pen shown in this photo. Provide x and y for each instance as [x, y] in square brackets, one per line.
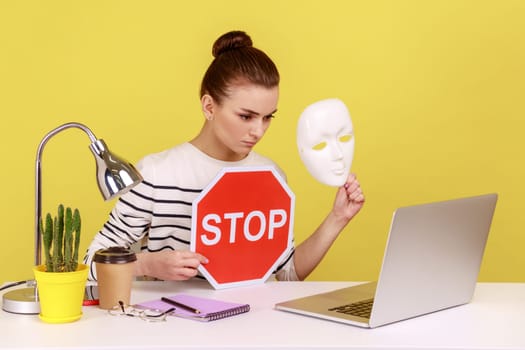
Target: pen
[176, 303]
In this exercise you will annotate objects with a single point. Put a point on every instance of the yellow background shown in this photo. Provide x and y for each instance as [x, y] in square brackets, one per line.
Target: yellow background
[435, 89]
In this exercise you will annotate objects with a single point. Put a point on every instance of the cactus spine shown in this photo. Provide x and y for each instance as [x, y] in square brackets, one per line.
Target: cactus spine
[61, 240]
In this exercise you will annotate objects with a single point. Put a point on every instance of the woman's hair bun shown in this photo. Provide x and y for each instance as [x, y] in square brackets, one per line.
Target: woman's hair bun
[230, 41]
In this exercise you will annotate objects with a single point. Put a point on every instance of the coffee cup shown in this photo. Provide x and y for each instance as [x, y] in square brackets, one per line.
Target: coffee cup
[115, 270]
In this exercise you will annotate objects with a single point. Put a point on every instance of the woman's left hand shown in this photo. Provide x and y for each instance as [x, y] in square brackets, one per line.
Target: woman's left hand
[349, 199]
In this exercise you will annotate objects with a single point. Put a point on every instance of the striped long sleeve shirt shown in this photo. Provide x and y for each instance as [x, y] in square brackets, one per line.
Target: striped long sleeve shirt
[157, 212]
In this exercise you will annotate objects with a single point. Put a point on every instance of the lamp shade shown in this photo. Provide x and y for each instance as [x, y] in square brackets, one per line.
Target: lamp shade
[115, 175]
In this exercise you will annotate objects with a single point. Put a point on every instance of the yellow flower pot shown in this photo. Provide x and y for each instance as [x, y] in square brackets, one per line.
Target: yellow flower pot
[60, 293]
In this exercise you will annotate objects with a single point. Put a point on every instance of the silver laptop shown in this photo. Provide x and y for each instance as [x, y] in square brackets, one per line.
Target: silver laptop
[431, 262]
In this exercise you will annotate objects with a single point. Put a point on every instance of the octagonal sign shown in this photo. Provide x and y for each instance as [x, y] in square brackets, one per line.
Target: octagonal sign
[243, 223]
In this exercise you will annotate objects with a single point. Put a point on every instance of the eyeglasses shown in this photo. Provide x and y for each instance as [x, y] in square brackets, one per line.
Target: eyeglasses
[150, 315]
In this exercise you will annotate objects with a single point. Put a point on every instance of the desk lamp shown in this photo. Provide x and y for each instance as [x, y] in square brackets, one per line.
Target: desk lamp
[115, 176]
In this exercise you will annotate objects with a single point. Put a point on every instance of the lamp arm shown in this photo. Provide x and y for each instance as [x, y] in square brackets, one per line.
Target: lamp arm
[38, 181]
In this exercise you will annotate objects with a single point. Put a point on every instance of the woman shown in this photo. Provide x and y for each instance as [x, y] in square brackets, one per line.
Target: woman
[239, 94]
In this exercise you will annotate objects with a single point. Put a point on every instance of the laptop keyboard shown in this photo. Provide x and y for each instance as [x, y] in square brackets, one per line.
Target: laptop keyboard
[361, 308]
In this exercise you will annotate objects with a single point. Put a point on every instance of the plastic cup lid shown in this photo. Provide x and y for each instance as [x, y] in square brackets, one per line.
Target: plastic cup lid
[114, 255]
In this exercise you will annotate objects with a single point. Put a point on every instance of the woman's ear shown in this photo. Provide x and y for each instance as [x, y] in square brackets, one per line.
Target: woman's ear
[208, 106]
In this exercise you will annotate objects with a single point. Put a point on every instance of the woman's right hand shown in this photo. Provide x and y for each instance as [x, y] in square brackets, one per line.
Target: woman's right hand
[169, 265]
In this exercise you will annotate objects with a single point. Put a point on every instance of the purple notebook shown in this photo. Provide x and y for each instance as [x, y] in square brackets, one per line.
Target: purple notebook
[205, 309]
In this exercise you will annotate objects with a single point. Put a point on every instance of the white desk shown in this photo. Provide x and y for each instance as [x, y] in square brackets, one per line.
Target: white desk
[494, 320]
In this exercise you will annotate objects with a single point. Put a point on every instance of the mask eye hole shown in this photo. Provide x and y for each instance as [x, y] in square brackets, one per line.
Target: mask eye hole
[345, 138]
[319, 146]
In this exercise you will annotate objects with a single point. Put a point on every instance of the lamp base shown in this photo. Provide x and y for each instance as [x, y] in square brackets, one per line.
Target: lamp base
[21, 301]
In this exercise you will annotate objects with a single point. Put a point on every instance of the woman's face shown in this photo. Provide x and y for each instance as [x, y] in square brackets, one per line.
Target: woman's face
[241, 120]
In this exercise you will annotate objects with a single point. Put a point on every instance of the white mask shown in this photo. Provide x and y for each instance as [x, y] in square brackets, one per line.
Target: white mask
[325, 138]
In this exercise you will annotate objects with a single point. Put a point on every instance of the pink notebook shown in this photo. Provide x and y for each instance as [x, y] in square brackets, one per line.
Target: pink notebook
[207, 309]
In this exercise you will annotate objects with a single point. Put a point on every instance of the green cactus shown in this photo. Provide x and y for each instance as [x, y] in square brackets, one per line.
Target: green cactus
[60, 233]
[47, 232]
[76, 228]
[56, 243]
[68, 239]
[61, 240]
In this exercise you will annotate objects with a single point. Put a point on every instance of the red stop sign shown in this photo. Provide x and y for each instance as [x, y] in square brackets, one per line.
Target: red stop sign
[243, 223]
